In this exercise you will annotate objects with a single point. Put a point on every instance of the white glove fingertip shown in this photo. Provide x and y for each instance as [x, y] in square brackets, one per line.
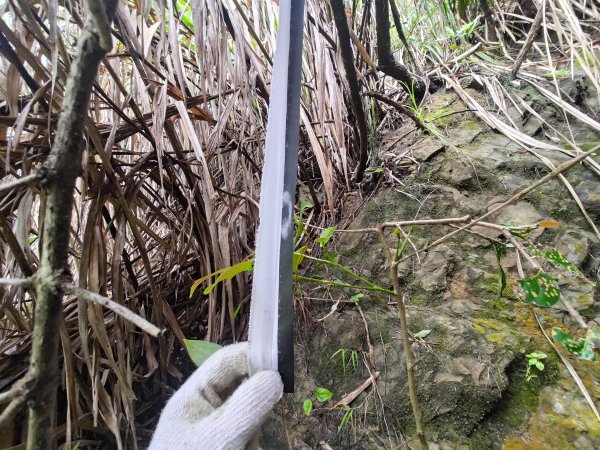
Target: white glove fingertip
[248, 407]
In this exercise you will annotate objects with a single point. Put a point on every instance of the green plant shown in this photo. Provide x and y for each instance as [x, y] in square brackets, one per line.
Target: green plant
[582, 348]
[534, 360]
[352, 358]
[322, 395]
[542, 288]
[347, 418]
[465, 31]
[307, 406]
[422, 334]
[199, 350]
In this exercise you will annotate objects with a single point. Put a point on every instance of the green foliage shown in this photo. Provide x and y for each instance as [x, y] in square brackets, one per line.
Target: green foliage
[554, 256]
[582, 348]
[307, 406]
[422, 334]
[560, 73]
[347, 418]
[199, 350]
[465, 31]
[323, 394]
[225, 274]
[540, 289]
[356, 297]
[534, 360]
[325, 236]
[185, 11]
[347, 356]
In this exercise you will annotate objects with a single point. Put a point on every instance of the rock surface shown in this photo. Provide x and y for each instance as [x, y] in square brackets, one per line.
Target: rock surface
[471, 362]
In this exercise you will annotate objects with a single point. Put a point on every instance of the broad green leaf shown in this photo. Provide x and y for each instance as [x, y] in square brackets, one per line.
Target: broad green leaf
[422, 334]
[199, 350]
[540, 289]
[582, 348]
[539, 365]
[325, 236]
[307, 406]
[323, 394]
[230, 272]
[553, 256]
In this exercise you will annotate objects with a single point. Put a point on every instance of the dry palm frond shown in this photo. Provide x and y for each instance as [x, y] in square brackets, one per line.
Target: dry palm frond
[173, 155]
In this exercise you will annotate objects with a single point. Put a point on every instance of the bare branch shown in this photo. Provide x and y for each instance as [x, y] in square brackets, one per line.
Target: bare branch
[27, 180]
[117, 308]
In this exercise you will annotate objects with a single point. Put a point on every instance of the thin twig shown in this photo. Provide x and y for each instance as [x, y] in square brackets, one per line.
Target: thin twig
[23, 282]
[115, 307]
[17, 395]
[27, 180]
[559, 169]
[408, 223]
[571, 370]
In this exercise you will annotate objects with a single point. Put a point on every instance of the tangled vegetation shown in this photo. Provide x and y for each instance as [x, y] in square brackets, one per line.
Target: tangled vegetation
[131, 140]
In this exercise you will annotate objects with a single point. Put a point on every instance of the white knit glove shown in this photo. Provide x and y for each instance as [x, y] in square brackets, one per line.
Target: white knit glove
[213, 411]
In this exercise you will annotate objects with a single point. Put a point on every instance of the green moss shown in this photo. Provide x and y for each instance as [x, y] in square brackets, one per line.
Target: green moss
[489, 324]
[510, 415]
[495, 337]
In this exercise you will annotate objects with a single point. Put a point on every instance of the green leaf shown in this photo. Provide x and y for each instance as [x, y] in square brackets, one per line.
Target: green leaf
[298, 257]
[422, 334]
[554, 256]
[540, 289]
[582, 348]
[539, 365]
[229, 272]
[323, 394]
[237, 310]
[347, 418]
[307, 406]
[521, 233]
[199, 350]
[356, 297]
[325, 236]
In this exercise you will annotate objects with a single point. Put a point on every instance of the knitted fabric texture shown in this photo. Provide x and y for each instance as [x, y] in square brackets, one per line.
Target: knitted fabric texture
[218, 407]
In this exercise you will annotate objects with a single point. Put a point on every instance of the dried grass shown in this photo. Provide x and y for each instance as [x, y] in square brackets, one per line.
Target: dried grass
[172, 162]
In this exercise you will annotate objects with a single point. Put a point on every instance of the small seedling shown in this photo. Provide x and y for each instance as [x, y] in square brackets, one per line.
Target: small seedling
[534, 360]
[352, 358]
[348, 417]
[322, 394]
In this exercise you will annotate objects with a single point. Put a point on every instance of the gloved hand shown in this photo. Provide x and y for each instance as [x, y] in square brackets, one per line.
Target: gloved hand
[212, 410]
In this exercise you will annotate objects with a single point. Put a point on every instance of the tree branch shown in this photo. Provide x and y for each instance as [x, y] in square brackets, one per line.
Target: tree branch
[63, 167]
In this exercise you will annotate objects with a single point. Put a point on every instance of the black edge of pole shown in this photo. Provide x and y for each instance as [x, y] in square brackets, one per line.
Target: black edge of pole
[285, 336]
